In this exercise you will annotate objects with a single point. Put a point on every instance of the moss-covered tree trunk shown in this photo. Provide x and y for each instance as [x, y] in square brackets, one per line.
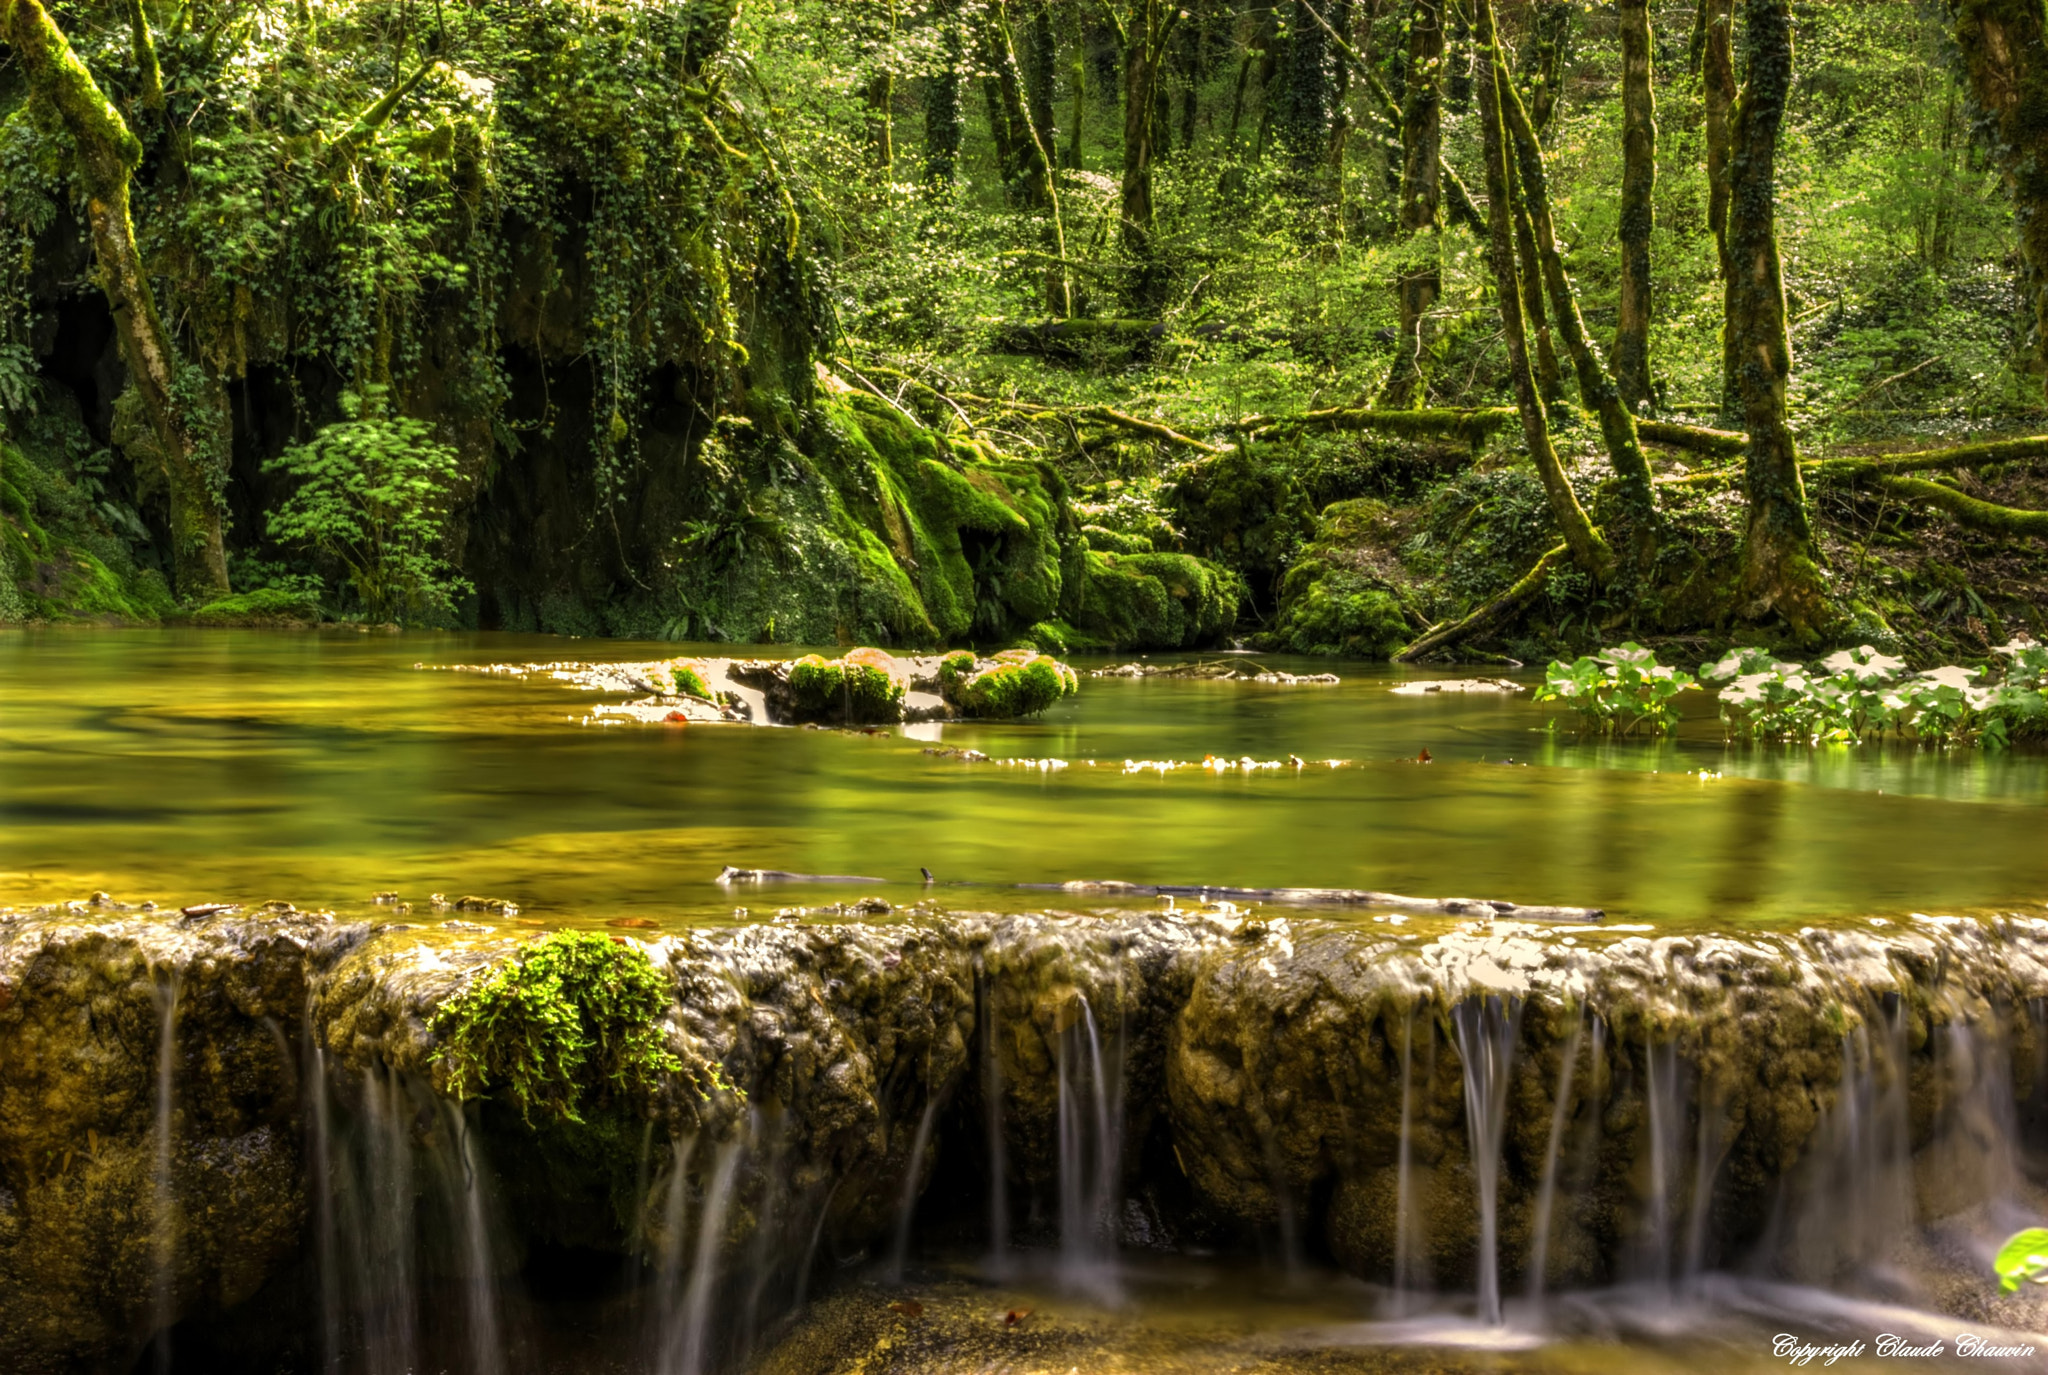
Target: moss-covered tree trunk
[1717, 79]
[942, 111]
[1779, 572]
[1596, 383]
[1421, 202]
[1550, 33]
[1077, 82]
[1638, 186]
[2004, 45]
[1041, 61]
[183, 418]
[1549, 377]
[1301, 99]
[1146, 29]
[1589, 551]
[1036, 189]
[881, 97]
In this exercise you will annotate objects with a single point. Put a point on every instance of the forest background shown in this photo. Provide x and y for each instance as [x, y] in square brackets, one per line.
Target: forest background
[1085, 322]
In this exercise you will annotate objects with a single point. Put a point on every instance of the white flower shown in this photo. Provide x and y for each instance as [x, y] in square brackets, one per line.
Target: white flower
[1949, 675]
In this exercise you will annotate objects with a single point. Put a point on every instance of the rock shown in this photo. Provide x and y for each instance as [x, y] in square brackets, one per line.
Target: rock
[1423, 688]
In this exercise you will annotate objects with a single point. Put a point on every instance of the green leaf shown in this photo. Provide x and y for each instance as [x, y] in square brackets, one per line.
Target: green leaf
[2024, 1257]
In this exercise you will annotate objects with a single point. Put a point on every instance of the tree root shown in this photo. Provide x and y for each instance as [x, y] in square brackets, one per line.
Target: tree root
[1507, 602]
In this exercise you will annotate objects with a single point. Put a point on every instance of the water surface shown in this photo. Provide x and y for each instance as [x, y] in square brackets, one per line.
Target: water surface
[322, 767]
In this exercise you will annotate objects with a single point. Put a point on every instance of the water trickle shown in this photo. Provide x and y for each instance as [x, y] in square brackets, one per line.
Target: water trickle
[1546, 1191]
[1664, 1096]
[464, 1183]
[689, 1274]
[1487, 1029]
[1405, 1250]
[1090, 1155]
[998, 1164]
[913, 1178]
[165, 990]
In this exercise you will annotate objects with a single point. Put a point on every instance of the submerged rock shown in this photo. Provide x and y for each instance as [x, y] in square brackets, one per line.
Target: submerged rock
[1617, 1106]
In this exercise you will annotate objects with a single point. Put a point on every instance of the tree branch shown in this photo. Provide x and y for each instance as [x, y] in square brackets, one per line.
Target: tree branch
[1509, 601]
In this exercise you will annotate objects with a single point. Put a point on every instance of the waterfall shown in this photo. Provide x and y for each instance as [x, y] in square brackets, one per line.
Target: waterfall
[998, 1165]
[1404, 1205]
[906, 1206]
[1090, 1153]
[1546, 1191]
[1487, 1028]
[689, 1274]
[463, 1182]
[1664, 1097]
[164, 990]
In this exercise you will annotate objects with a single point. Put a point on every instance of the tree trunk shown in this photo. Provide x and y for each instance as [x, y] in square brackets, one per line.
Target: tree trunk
[1549, 379]
[1717, 77]
[1778, 568]
[942, 112]
[1148, 28]
[184, 417]
[1596, 384]
[1077, 77]
[1589, 551]
[1036, 190]
[881, 100]
[1458, 88]
[1551, 31]
[1301, 116]
[2004, 44]
[1638, 183]
[1043, 61]
[1421, 198]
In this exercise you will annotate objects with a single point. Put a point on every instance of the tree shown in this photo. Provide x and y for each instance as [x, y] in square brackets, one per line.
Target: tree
[1588, 550]
[1421, 200]
[1301, 102]
[2004, 47]
[943, 116]
[185, 420]
[1638, 187]
[1779, 571]
[1143, 30]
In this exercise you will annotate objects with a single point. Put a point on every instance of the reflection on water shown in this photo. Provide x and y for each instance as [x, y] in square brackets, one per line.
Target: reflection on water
[322, 767]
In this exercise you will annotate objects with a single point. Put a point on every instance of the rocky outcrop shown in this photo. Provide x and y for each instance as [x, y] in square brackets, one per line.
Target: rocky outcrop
[1610, 1100]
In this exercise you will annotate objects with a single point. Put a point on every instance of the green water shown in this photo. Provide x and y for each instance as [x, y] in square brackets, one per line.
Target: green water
[322, 767]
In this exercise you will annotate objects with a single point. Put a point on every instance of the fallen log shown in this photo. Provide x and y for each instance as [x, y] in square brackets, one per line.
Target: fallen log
[1966, 510]
[1472, 426]
[729, 876]
[1487, 908]
[1724, 443]
[1511, 600]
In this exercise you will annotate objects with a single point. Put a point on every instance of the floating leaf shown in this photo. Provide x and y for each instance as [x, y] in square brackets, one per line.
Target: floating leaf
[2023, 1258]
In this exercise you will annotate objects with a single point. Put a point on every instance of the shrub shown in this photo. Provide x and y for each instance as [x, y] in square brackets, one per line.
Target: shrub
[1859, 692]
[1618, 690]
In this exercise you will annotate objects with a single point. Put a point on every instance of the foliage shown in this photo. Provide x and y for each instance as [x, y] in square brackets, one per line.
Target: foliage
[1857, 693]
[690, 683]
[2022, 1260]
[1338, 612]
[571, 1020]
[373, 495]
[263, 606]
[1618, 690]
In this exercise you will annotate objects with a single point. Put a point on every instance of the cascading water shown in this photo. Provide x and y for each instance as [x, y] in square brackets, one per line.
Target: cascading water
[1090, 1092]
[1546, 1191]
[463, 1183]
[166, 989]
[998, 1262]
[689, 1269]
[913, 1183]
[1664, 1096]
[1487, 1028]
[1406, 1276]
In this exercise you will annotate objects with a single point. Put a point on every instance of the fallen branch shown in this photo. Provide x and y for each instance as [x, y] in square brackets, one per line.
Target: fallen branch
[1101, 415]
[1965, 509]
[1509, 601]
[1473, 426]
[1874, 388]
[1962, 456]
[1725, 443]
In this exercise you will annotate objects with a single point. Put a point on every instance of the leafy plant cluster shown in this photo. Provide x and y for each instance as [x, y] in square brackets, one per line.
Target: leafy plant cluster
[572, 1020]
[1618, 691]
[1859, 693]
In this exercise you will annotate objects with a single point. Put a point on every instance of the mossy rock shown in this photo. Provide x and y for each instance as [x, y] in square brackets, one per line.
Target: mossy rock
[1115, 541]
[1157, 601]
[1243, 511]
[262, 607]
[866, 687]
[1335, 611]
[689, 679]
[1021, 683]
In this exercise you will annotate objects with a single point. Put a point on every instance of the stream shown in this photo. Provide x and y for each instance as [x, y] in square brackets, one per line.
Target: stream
[1794, 1086]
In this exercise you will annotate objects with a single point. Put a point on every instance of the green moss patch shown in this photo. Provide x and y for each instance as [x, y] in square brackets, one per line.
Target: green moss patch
[264, 606]
[1020, 684]
[1157, 601]
[574, 1020]
[858, 689]
[690, 683]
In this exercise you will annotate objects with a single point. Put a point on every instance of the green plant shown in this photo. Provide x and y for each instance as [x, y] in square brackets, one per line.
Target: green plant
[853, 689]
[690, 683]
[373, 496]
[2022, 1260]
[1618, 690]
[574, 1017]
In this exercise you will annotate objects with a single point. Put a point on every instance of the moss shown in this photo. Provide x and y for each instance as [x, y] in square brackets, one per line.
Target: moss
[1020, 684]
[1328, 610]
[1243, 511]
[1115, 541]
[264, 606]
[573, 1020]
[1157, 601]
[690, 683]
[861, 688]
